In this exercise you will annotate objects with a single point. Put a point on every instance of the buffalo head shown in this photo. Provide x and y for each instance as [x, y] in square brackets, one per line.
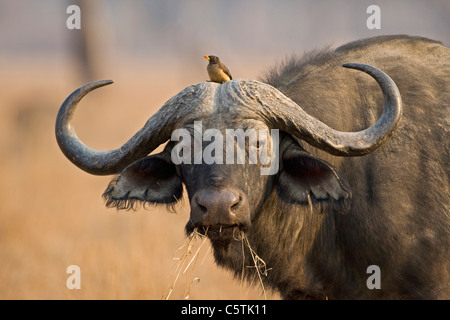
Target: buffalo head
[226, 197]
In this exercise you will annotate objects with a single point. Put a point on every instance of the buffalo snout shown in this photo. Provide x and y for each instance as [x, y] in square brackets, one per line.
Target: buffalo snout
[219, 209]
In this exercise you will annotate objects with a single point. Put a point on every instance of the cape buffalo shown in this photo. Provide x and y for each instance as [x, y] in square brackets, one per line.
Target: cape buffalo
[357, 188]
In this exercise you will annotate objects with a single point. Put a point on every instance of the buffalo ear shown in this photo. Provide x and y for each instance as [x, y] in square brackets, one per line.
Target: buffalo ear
[152, 179]
[309, 180]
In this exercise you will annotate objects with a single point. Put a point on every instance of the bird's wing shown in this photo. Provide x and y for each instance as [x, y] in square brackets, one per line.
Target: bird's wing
[226, 71]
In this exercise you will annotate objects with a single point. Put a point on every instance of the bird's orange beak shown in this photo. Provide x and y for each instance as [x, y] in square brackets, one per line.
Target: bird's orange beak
[206, 57]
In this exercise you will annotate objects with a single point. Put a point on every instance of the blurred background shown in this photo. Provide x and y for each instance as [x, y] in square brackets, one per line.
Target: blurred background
[51, 213]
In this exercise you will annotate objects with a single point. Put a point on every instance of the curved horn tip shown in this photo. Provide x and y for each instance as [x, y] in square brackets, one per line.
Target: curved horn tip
[88, 87]
[101, 83]
[382, 78]
[370, 70]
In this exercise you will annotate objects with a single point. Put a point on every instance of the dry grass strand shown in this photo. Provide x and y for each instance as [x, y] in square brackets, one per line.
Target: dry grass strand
[184, 263]
[259, 264]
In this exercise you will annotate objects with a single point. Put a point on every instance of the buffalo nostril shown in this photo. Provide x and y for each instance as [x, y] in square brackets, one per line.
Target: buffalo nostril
[202, 208]
[236, 204]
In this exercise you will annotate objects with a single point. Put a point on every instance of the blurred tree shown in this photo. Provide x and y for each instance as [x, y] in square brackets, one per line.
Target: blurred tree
[89, 45]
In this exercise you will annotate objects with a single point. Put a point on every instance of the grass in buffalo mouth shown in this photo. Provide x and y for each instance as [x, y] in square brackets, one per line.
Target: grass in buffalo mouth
[259, 264]
[188, 259]
[222, 231]
[190, 256]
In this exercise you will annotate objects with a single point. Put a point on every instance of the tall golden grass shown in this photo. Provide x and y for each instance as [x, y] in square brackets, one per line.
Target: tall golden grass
[52, 214]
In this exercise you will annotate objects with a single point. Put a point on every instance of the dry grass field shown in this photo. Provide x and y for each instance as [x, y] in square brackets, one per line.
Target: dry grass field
[52, 214]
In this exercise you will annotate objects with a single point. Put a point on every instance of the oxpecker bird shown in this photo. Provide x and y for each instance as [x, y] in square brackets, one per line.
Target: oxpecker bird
[217, 71]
